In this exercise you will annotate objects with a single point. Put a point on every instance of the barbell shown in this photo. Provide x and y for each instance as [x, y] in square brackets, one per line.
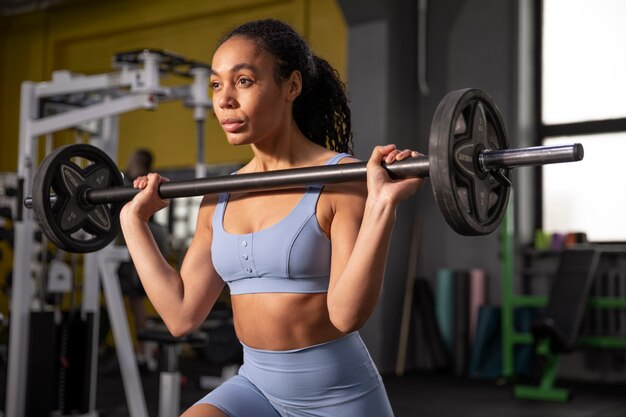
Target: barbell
[78, 191]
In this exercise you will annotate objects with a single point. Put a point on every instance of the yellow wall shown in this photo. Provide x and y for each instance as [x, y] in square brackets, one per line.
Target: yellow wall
[84, 37]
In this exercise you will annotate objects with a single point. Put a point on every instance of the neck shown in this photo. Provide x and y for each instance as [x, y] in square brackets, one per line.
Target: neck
[286, 150]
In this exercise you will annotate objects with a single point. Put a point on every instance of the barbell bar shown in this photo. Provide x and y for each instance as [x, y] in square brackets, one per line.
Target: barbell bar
[417, 167]
[469, 166]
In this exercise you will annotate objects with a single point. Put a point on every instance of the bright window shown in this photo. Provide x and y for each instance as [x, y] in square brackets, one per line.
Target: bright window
[584, 60]
[583, 99]
[589, 195]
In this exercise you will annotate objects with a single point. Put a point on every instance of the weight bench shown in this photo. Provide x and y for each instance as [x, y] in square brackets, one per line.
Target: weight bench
[169, 372]
[556, 331]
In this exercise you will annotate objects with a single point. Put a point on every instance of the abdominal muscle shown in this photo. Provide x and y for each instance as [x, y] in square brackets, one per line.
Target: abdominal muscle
[282, 321]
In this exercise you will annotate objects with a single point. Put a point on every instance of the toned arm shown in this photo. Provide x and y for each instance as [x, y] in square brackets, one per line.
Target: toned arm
[360, 234]
[182, 299]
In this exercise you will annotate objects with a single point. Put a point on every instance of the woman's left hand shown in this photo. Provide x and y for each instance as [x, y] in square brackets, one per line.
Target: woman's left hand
[380, 185]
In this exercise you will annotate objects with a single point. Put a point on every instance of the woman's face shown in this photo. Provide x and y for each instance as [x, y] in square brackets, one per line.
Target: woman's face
[247, 101]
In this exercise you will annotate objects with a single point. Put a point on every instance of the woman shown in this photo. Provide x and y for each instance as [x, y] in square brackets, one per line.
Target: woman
[297, 299]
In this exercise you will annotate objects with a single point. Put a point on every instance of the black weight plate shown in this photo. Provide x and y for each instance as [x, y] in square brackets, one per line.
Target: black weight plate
[466, 122]
[68, 222]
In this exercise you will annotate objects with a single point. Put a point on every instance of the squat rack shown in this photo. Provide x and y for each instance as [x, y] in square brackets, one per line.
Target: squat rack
[77, 100]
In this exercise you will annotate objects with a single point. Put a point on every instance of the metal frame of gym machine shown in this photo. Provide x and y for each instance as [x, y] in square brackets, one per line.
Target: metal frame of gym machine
[511, 337]
[105, 96]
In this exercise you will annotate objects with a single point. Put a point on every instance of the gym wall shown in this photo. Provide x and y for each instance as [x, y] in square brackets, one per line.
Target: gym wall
[83, 37]
[470, 43]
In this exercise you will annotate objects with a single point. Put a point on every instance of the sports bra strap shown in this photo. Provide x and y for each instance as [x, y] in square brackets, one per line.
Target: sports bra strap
[335, 159]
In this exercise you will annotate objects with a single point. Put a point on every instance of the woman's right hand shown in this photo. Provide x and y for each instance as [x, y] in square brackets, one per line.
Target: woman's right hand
[147, 202]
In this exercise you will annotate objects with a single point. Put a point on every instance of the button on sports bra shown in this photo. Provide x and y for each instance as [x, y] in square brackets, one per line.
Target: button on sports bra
[290, 256]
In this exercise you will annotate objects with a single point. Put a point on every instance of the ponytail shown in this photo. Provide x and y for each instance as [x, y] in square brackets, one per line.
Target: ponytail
[321, 111]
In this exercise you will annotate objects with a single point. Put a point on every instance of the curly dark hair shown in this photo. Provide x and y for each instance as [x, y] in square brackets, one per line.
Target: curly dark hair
[321, 110]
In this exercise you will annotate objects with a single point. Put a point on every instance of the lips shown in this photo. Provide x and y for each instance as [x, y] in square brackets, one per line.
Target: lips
[231, 124]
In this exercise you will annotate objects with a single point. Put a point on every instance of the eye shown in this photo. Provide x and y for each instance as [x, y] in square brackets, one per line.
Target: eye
[244, 81]
[214, 85]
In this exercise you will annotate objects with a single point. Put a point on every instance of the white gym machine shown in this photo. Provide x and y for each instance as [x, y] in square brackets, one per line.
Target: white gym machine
[92, 103]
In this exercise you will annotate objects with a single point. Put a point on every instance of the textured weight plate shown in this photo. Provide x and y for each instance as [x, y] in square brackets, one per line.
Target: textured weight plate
[70, 223]
[465, 123]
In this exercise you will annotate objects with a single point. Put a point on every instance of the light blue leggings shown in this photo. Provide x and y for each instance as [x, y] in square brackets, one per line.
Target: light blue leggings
[334, 379]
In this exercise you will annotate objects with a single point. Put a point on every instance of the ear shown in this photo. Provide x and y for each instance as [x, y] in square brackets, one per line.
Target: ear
[294, 86]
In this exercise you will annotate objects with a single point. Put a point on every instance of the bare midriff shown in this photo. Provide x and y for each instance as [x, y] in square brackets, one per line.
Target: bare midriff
[282, 321]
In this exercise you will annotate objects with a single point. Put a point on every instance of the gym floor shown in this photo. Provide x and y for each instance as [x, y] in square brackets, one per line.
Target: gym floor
[413, 395]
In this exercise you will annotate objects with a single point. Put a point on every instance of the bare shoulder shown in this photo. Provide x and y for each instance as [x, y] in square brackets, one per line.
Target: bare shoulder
[347, 196]
[206, 211]
[209, 201]
[355, 189]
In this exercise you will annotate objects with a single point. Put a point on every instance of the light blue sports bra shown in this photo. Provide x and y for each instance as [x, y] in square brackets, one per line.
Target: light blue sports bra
[291, 256]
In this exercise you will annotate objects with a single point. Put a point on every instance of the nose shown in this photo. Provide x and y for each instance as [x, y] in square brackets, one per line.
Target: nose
[227, 99]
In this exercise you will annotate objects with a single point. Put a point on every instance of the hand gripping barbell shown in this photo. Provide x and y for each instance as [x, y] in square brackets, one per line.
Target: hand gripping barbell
[468, 164]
